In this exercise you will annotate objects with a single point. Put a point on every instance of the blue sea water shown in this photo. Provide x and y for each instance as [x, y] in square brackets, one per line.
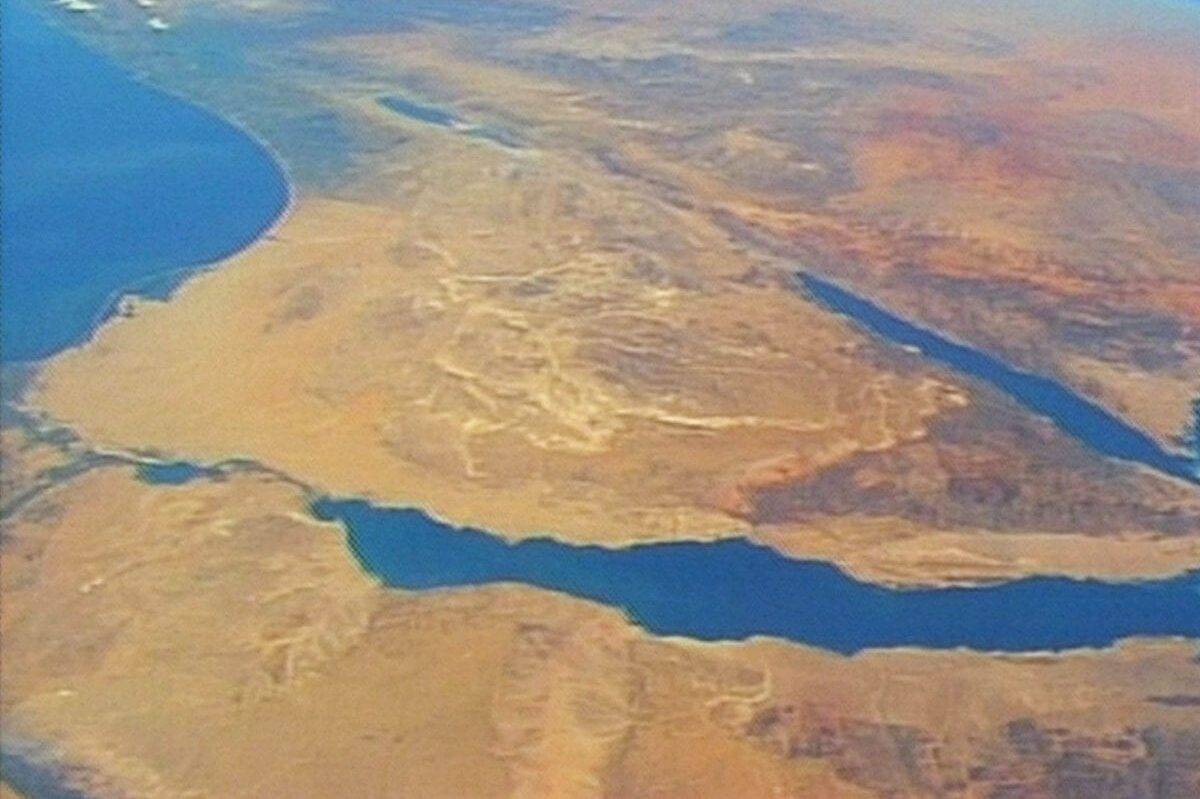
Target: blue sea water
[1073, 414]
[735, 589]
[107, 184]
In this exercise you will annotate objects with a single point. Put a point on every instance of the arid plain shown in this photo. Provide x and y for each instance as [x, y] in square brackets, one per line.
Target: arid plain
[587, 327]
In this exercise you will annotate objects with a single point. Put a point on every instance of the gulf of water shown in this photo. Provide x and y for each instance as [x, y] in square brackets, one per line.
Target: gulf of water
[1075, 415]
[735, 589]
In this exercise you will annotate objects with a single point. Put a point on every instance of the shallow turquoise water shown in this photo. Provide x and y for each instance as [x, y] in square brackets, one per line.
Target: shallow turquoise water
[173, 473]
[107, 184]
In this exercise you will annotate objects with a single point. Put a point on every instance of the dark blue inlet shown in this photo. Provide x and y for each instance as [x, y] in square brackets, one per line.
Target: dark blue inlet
[107, 185]
[735, 589]
[173, 473]
[1074, 415]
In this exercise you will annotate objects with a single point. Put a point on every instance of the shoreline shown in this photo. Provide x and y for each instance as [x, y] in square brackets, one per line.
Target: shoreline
[115, 302]
[1075, 414]
[863, 567]
[341, 528]
[615, 544]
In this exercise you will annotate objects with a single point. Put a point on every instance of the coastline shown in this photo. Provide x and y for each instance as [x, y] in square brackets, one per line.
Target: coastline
[1116, 571]
[920, 559]
[128, 295]
[1047, 397]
